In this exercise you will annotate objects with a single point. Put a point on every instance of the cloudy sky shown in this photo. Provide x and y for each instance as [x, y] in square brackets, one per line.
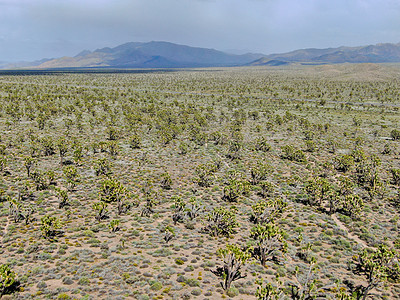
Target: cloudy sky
[34, 29]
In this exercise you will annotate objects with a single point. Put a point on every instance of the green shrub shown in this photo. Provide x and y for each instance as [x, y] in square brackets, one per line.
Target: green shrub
[395, 134]
[292, 153]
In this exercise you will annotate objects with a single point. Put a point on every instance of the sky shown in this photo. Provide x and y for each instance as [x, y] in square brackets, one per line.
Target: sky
[36, 29]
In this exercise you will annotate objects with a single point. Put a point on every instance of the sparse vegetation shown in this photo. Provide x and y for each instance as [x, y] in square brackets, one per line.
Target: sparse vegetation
[125, 185]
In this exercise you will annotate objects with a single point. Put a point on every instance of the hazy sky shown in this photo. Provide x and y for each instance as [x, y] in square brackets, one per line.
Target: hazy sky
[34, 29]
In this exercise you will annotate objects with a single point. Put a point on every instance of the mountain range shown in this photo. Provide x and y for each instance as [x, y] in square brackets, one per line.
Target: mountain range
[379, 53]
[169, 55]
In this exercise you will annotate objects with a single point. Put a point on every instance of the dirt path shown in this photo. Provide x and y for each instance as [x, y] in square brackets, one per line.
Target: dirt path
[349, 234]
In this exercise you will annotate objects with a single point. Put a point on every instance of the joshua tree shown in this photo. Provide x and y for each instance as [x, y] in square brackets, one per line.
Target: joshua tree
[8, 279]
[221, 222]
[377, 266]
[101, 210]
[179, 209]
[234, 258]
[63, 197]
[305, 286]
[50, 226]
[267, 211]
[62, 146]
[103, 167]
[268, 291]
[72, 177]
[114, 225]
[166, 181]
[269, 241]
[169, 233]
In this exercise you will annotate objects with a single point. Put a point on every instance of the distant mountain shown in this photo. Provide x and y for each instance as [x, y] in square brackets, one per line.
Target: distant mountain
[265, 61]
[169, 55]
[151, 55]
[25, 64]
[379, 53]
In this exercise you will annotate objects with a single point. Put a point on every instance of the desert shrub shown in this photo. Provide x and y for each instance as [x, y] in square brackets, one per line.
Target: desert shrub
[166, 181]
[292, 153]
[261, 144]
[103, 167]
[205, 174]
[395, 176]
[259, 172]
[395, 134]
[343, 162]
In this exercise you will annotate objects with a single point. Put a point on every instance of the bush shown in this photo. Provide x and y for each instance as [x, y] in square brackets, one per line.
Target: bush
[395, 176]
[395, 134]
[343, 162]
[103, 167]
[261, 144]
[259, 172]
[292, 153]
[234, 191]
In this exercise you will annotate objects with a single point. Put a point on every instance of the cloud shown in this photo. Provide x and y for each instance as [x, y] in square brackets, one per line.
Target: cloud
[50, 28]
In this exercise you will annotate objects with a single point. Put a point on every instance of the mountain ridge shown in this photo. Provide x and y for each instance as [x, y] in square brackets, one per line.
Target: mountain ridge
[379, 53]
[161, 54]
[150, 55]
